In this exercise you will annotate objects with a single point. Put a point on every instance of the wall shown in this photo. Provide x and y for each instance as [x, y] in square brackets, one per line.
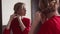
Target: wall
[34, 8]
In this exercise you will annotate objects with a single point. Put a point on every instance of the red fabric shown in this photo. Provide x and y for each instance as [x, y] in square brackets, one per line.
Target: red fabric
[16, 28]
[6, 31]
[52, 26]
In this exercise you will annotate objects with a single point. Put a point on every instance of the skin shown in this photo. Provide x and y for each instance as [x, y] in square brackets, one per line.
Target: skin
[35, 22]
[22, 12]
[37, 18]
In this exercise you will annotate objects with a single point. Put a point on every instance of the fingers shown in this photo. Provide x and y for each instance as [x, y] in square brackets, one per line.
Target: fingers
[37, 16]
[9, 22]
[43, 18]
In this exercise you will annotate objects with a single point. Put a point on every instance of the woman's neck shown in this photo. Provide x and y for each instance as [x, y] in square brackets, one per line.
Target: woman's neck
[55, 13]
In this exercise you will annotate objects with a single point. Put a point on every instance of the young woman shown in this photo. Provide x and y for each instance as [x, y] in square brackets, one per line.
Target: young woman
[50, 9]
[17, 23]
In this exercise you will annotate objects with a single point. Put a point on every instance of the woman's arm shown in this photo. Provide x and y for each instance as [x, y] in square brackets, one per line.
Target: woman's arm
[9, 22]
[8, 27]
[21, 24]
[37, 18]
[25, 28]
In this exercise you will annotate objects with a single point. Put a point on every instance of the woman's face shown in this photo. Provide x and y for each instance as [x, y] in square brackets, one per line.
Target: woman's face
[22, 11]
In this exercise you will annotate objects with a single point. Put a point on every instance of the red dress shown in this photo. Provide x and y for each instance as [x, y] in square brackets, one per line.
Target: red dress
[16, 29]
[52, 26]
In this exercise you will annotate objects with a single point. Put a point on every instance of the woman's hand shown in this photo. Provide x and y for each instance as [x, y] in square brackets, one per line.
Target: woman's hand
[43, 18]
[40, 17]
[9, 22]
[21, 23]
[37, 16]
